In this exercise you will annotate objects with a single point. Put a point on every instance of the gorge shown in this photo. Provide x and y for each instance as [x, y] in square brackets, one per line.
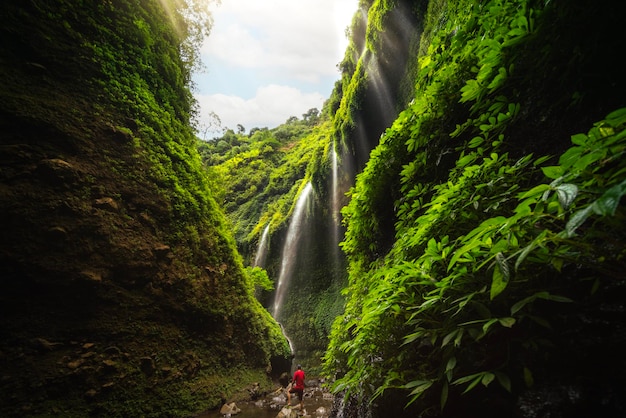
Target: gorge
[444, 239]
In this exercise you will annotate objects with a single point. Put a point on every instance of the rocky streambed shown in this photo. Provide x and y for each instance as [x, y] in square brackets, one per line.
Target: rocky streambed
[317, 403]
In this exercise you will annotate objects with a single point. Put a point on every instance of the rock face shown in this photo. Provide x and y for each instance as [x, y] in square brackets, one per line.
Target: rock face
[108, 223]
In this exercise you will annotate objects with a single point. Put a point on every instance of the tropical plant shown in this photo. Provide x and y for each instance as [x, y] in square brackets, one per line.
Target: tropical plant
[459, 247]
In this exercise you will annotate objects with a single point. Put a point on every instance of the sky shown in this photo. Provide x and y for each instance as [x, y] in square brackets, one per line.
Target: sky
[266, 61]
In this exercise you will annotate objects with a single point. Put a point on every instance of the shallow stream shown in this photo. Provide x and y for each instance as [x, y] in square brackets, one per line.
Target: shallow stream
[317, 403]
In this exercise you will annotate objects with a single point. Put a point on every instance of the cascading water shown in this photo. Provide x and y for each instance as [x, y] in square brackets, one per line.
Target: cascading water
[336, 232]
[335, 184]
[311, 268]
[290, 248]
[261, 252]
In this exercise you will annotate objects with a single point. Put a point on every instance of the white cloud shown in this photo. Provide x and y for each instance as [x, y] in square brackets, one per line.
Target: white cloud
[262, 56]
[300, 37]
[271, 106]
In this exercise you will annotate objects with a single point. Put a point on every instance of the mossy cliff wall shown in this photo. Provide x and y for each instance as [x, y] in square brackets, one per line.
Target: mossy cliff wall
[121, 291]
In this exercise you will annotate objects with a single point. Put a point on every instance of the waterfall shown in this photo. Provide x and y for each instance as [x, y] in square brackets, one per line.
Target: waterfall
[336, 208]
[335, 184]
[291, 348]
[290, 248]
[384, 92]
[261, 252]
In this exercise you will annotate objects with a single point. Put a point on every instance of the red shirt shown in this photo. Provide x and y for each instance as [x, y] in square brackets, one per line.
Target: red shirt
[298, 379]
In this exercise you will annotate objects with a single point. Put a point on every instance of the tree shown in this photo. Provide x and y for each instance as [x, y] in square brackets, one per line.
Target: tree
[311, 117]
[214, 125]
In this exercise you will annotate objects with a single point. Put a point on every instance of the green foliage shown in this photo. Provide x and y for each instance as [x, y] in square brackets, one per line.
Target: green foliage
[260, 278]
[484, 245]
[261, 173]
[443, 295]
[350, 101]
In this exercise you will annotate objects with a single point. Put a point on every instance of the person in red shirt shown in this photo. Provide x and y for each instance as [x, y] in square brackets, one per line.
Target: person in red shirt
[297, 387]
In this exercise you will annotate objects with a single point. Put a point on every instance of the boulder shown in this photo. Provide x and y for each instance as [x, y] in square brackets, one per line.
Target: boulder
[287, 412]
[284, 379]
[321, 412]
[107, 203]
[55, 170]
[45, 345]
[229, 408]
[162, 251]
[75, 364]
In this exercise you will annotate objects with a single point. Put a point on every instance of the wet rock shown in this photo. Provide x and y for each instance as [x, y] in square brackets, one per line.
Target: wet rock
[44, 345]
[113, 351]
[279, 400]
[55, 170]
[109, 366]
[56, 234]
[255, 391]
[349, 406]
[284, 379]
[91, 394]
[75, 364]
[162, 251]
[287, 412]
[36, 68]
[229, 408]
[321, 412]
[88, 346]
[107, 203]
[91, 276]
[108, 386]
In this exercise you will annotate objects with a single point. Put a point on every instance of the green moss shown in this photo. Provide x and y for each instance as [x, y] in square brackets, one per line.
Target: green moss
[150, 267]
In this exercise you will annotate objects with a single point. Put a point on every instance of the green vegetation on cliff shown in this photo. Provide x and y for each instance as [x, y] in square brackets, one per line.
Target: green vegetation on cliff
[264, 172]
[484, 231]
[484, 247]
[262, 175]
[122, 291]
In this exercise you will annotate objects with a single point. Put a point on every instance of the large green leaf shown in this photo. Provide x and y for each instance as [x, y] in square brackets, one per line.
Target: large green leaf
[566, 194]
[501, 275]
[607, 204]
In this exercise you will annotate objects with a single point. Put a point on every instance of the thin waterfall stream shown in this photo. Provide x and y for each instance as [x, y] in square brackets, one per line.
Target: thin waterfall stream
[290, 249]
[336, 209]
[335, 184]
[261, 252]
